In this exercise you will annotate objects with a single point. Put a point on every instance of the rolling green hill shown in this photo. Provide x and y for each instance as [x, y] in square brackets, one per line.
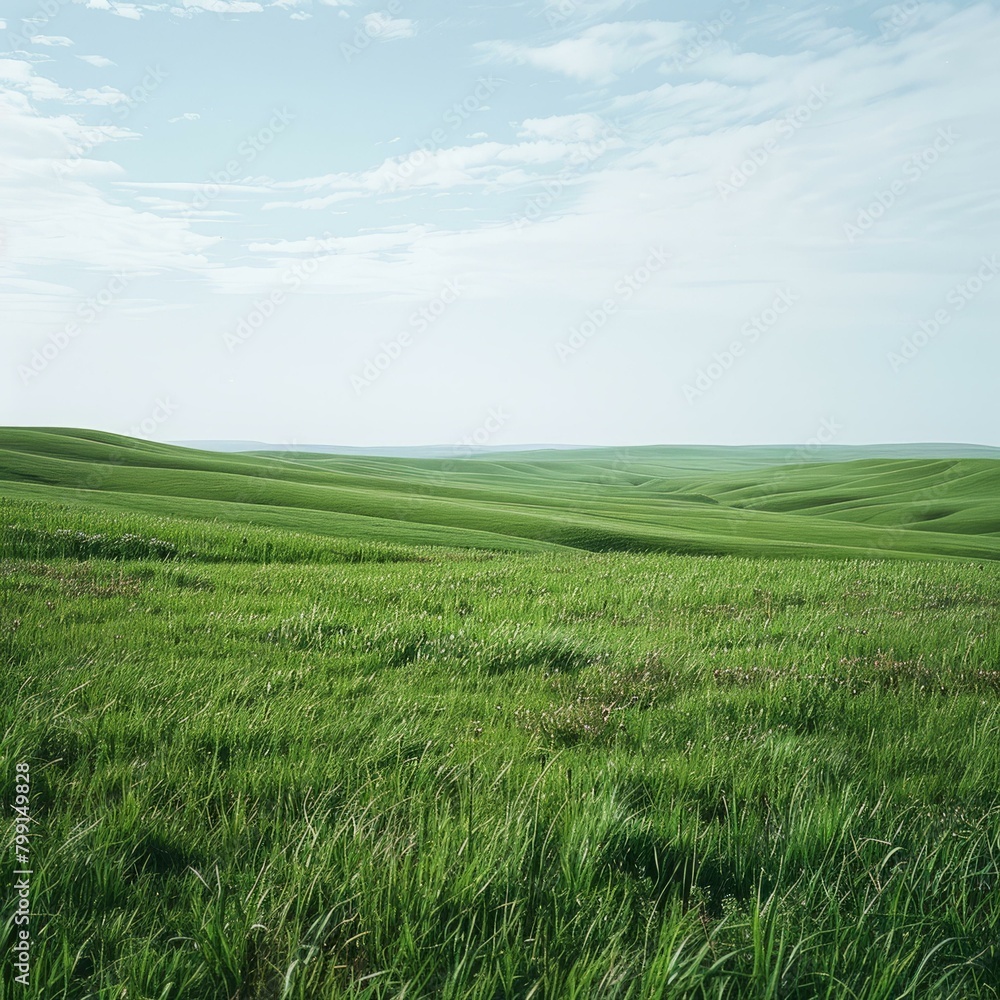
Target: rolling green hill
[750, 501]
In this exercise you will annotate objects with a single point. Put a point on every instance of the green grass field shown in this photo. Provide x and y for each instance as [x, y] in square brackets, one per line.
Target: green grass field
[561, 725]
[742, 501]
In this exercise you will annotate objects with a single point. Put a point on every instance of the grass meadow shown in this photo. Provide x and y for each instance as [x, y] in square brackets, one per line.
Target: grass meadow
[277, 764]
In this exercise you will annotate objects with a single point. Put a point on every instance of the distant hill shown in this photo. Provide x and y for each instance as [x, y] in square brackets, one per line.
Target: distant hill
[402, 451]
[683, 454]
[909, 501]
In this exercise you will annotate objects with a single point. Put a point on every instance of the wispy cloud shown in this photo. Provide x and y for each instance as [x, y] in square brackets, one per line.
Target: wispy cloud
[59, 212]
[386, 27]
[192, 8]
[600, 53]
[20, 74]
[128, 10]
[495, 165]
[223, 6]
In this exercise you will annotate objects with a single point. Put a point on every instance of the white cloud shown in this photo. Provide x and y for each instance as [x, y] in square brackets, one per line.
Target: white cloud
[101, 62]
[98, 96]
[224, 6]
[56, 212]
[382, 26]
[316, 204]
[583, 8]
[495, 165]
[195, 186]
[188, 116]
[15, 70]
[51, 40]
[599, 54]
[565, 128]
[130, 10]
[21, 74]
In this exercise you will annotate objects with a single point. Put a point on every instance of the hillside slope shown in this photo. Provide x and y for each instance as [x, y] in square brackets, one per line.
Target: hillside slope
[710, 501]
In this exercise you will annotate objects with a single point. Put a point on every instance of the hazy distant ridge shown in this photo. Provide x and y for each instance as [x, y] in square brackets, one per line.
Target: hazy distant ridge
[772, 454]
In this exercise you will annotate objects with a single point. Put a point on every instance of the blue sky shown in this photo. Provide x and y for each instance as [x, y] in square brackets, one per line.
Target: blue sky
[581, 221]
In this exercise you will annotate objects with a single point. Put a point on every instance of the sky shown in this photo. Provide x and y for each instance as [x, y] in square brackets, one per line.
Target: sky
[601, 222]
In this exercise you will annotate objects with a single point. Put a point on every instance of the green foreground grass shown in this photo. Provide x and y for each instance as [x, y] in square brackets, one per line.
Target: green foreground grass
[278, 765]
